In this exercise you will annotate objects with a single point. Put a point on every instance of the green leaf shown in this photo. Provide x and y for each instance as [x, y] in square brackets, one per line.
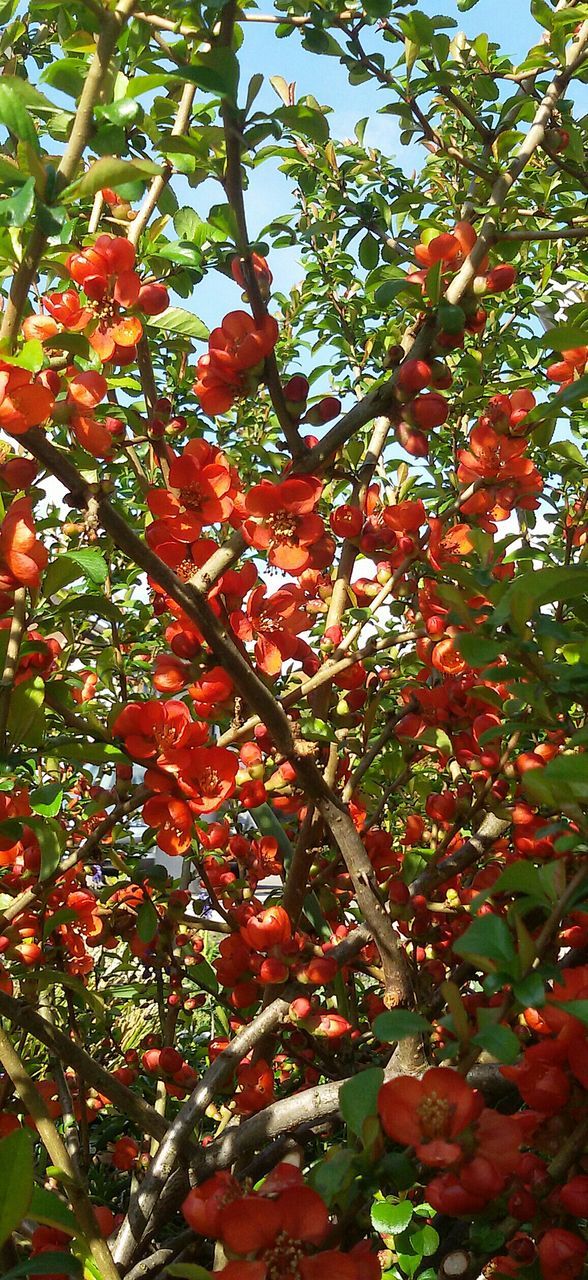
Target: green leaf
[47, 1264]
[489, 943]
[68, 75]
[31, 356]
[542, 13]
[332, 1175]
[87, 752]
[180, 252]
[425, 1242]
[397, 1024]
[177, 320]
[477, 650]
[50, 1210]
[576, 391]
[188, 1271]
[564, 336]
[92, 604]
[87, 562]
[369, 252]
[16, 118]
[109, 171]
[564, 780]
[123, 112]
[16, 1180]
[10, 173]
[523, 877]
[318, 730]
[577, 1008]
[269, 824]
[411, 53]
[570, 452]
[530, 991]
[147, 921]
[464, 5]
[26, 718]
[304, 120]
[433, 283]
[51, 978]
[499, 1041]
[16, 210]
[47, 800]
[91, 562]
[215, 72]
[30, 95]
[358, 1098]
[390, 1218]
[539, 587]
[204, 976]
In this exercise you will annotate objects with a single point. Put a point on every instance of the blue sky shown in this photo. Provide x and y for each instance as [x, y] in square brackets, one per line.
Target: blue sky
[507, 22]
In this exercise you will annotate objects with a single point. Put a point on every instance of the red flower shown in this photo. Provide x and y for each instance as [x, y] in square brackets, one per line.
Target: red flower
[270, 928]
[173, 820]
[270, 1232]
[207, 776]
[22, 557]
[446, 1195]
[105, 271]
[243, 340]
[428, 1114]
[212, 689]
[124, 1154]
[277, 1229]
[66, 309]
[236, 347]
[570, 367]
[261, 271]
[561, 1255]
[202, 488]
[18, 473]
[574, 1196]
[256, 1081]
[219, 383]
[497, 459]
[540, 1078]
[282, 519]
[157, 728]
[203, 1204]
[274, 622]
[346, 521]
[24, 401]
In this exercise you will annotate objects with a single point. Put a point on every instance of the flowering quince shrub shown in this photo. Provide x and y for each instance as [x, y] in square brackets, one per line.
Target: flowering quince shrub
[293, 645]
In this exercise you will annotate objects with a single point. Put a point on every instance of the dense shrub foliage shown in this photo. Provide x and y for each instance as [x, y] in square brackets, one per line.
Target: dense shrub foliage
[293, 645]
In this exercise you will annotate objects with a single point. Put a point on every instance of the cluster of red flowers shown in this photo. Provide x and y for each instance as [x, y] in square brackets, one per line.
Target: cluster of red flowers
[114, 294]
[189, 776]
[486, 1155]
[281, 1229]
[507, 477]
[234, 362]
[450, 249]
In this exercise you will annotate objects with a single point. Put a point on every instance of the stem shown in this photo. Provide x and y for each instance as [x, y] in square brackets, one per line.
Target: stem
[158, 185]
[17, 627]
